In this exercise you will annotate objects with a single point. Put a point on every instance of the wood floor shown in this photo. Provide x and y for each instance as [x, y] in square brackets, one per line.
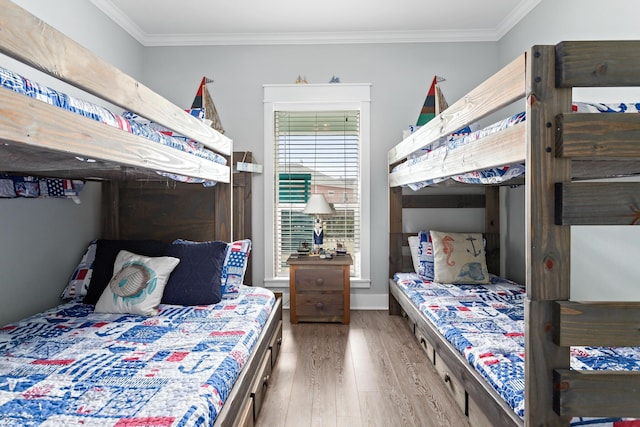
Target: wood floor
[371, 372]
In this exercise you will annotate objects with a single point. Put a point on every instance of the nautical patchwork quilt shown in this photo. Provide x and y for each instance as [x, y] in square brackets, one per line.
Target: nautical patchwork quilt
[70, 366]
[485, 323]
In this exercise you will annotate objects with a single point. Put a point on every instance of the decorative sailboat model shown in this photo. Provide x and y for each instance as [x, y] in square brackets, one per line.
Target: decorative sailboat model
[434, 103]
[203, 101]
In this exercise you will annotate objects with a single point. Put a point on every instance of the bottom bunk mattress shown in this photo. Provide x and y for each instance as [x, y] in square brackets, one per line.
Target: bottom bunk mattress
[485, 323]
[72, 366]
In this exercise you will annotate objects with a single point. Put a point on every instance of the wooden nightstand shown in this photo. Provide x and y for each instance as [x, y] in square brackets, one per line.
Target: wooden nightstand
[319, 289]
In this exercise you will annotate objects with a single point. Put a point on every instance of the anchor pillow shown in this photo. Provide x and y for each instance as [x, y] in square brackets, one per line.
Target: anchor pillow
[459, 258]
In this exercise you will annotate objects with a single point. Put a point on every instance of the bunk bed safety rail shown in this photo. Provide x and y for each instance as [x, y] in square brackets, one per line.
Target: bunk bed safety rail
[500, 90]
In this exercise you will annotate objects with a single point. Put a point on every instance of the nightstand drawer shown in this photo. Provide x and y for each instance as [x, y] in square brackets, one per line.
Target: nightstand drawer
[320, 305]
[319, 279]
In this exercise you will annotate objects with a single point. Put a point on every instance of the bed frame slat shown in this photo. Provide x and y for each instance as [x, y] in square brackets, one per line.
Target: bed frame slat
[579, 393]
[583, 324]
[444, 201]
[598, 203]
[598, 135]
[598, 63]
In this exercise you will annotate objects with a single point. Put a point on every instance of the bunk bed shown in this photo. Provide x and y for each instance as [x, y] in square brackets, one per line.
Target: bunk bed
[147, 188]
[558, 148]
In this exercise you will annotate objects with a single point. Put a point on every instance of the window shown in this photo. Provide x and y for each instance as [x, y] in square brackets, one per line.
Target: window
[316, 152]
[316, 141]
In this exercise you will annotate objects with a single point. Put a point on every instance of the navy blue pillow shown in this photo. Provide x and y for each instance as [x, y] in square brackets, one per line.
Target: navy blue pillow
[196, 279]
[106, 253]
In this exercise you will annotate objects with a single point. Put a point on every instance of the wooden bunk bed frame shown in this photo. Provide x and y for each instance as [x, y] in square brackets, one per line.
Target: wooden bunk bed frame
[559, 148]
[42, 140]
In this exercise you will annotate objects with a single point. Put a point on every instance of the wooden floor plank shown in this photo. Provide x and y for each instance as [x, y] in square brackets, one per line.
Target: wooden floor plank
[371, 372]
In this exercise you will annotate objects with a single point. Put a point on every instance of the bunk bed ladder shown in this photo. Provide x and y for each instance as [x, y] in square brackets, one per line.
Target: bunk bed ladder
[597, 393]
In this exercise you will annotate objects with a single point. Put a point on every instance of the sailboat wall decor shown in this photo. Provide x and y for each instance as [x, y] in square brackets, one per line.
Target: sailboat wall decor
[203, 101]
[434, 103]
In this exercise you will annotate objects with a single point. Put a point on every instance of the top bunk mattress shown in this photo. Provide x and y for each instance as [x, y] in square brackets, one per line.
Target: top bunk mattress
[436, 152]
[72, 366]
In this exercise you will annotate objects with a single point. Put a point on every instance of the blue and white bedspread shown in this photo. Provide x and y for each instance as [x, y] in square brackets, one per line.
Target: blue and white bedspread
[485, 323]
[70, 366]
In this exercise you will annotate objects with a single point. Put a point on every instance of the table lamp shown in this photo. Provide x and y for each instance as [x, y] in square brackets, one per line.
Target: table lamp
[317, 205]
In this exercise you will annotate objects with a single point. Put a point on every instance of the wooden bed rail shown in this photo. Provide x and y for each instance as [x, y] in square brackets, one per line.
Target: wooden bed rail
[580, 393]
[582, 324]
[503, 148]
[598, 203]
[613, 63]
[500, 90]
[31, 129]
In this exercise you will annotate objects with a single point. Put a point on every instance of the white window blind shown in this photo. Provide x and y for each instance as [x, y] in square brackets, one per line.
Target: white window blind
[316, 152]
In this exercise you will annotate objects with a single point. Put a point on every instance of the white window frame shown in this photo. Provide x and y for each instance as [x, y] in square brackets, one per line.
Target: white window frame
[317, 97]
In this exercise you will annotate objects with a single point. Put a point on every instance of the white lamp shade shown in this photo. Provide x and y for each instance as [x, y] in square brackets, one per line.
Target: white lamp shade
[317, 205]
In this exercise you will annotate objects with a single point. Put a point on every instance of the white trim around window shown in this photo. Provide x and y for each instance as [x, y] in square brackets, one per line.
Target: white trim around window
[317, 97]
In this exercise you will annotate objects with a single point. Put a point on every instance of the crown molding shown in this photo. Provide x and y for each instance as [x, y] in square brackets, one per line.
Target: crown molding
[116, 15]
[307, 38]
[515, 16]
[318, 38]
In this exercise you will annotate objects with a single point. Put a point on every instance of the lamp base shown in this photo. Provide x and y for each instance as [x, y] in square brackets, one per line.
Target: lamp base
[318, 233]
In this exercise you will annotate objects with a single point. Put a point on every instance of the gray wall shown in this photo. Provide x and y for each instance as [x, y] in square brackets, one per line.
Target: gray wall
[42, 240]
[400, 75]
[597, 252]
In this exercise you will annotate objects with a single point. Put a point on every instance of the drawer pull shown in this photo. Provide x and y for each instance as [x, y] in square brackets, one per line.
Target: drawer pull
[265, 381]
[319, 305]
[319, 281]
[447, 378]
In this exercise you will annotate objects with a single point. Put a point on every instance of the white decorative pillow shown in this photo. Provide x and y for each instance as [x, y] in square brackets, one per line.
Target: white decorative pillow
[137, 284]
[459, 258]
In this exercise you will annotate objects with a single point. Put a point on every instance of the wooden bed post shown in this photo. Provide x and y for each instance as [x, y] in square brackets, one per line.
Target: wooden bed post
[242, 207]
[492, 228]
[395, 240]
[547, 245]
[110, 207]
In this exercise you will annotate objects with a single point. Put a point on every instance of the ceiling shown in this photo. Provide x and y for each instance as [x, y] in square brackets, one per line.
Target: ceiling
[233, 22]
